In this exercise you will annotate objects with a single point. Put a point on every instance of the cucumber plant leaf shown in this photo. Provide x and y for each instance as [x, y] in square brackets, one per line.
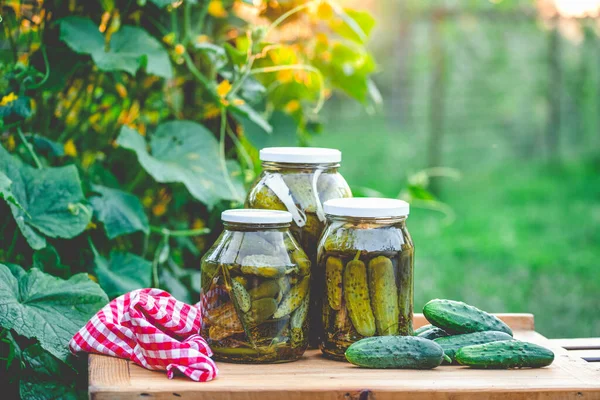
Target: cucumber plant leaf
[51, 199]
[188, 153]
[48, 260]
[6, 192]
[39, 306]
[123, 273]
[120, 212]
[130, 48]
[40, 389]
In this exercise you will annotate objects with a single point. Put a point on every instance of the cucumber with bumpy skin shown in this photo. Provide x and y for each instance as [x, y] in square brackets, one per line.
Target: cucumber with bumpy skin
[357, 297]
[504, 355]
[293, 299]
[400, 352]
[433, 333]
[456, 317]
[451, 344]
[384, 295]
[422, 329]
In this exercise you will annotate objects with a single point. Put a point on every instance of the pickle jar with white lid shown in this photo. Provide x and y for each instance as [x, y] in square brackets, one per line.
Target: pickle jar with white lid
[366, 255]
[300, 180]
[255, 289]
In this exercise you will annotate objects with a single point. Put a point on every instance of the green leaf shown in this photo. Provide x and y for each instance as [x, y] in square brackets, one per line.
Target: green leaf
[123, 273]
[51, 310]
[41, 361]
[216, 54]
[120, 212]
[185, 152]
[6, 192]
[32, 388]
[247, 111]
[51, 199]
[350, 69]
[284, 131]
[47, 260]
[130, 48]
[237, 57]
[17, 109]
[43, 145]
[354, 25]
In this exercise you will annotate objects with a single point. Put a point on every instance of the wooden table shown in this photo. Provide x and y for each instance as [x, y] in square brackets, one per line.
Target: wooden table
[316, 378]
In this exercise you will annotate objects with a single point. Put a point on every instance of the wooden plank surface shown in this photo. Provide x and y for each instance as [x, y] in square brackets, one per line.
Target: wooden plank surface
[316, 378]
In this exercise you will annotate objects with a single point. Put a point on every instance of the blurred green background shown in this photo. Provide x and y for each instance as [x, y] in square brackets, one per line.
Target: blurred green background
[506, 98]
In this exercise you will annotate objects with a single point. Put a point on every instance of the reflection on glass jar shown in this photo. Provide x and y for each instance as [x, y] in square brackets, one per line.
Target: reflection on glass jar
[366, 255]
[300, 180]
[256, 290]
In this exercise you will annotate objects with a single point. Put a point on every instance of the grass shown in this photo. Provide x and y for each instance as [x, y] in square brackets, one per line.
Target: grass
[526, 237]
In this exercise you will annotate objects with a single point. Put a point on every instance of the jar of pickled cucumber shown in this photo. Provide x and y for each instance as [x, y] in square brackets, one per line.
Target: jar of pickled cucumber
[366, 254]
[255, 289]
[300, 180]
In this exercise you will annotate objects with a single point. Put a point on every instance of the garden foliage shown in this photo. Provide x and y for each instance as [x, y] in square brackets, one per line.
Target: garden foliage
[125, 128]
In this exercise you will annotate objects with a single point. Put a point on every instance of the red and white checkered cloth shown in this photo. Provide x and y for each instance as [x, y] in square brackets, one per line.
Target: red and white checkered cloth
[153, 329]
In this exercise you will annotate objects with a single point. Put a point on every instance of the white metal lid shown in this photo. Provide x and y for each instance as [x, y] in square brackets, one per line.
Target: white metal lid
[367, 207]
[301, 155]
[252, 216]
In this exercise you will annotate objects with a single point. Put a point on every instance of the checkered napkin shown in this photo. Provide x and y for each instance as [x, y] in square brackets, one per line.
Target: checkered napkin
[153, 329]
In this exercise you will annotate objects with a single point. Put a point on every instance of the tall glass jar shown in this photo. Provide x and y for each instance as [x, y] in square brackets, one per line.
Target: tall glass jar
[255, 289]
[300, 180]
[366, 254]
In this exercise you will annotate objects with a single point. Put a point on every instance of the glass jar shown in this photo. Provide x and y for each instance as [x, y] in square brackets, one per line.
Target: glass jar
[300, 180]
[366, 254]
[255, 289]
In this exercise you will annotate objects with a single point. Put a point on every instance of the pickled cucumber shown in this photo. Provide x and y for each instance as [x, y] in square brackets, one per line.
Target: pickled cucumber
[299, 315]
[265, 266]
[225, 316]
[241, 295]
[356, 294]
[293, 299]
[268, 288]
[301, 260]
[261, 310]
[333, 281]
[384, 295]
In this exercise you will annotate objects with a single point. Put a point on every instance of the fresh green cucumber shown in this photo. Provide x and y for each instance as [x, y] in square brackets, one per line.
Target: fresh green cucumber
[433, 333]
[451, 344]
[456, 317]
[422, 329]
[505, 354]
[400, 352]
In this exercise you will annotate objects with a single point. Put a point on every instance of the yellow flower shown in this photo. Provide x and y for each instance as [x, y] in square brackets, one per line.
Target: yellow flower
[121, 89]
[159, 209]
[216, 9]
[9, 98]
[211, 111]
[70, 149]
[292, 106]
[202, 39]
[285, 76]
[224, 88]
[11, 143]
[169, 38]
[238, 102]
[179, 49]
[90, 225]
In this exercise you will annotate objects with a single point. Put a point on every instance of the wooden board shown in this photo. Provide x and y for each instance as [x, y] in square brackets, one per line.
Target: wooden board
[316, 378]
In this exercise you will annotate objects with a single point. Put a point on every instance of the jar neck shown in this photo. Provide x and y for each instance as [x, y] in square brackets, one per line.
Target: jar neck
[234, 226]
[279, 166]
[367, 220]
